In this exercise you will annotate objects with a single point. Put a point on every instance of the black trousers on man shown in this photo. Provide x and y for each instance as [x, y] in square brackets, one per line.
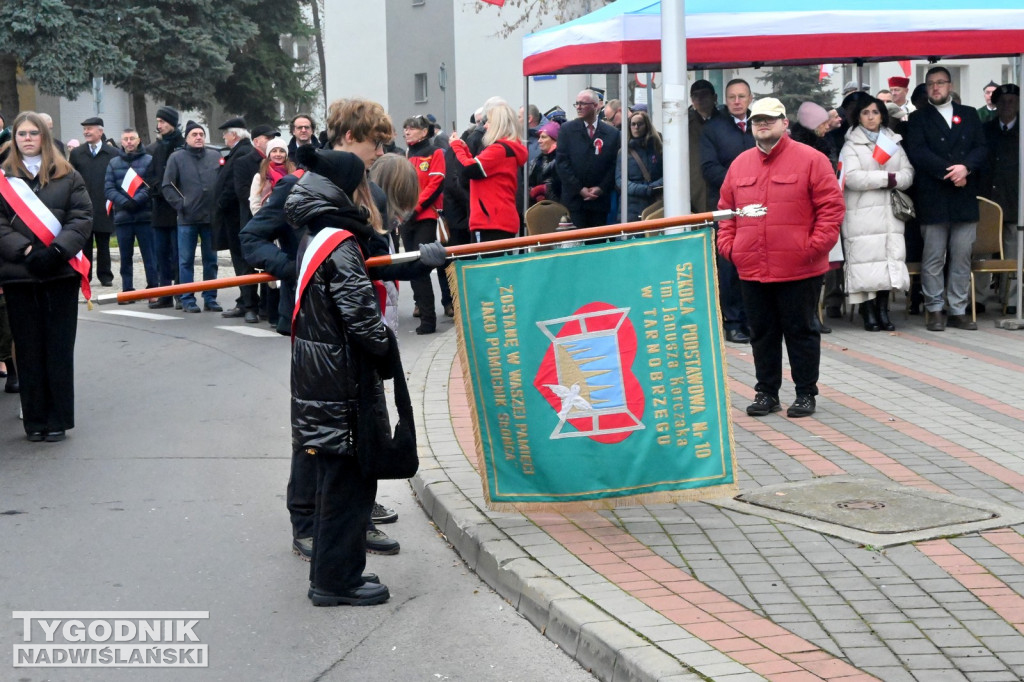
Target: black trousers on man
[101, 266]
[344, 501]
[778, 311]
[44, 322]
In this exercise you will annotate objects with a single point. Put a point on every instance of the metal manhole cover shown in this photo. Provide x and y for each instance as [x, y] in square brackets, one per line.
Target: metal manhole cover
[871, 506]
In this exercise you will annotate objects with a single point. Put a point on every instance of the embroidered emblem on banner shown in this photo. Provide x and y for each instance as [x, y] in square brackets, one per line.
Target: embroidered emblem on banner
[586, 374]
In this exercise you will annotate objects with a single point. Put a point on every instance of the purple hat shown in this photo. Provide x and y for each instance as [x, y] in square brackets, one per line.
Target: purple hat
[550, 129]
[811, 115]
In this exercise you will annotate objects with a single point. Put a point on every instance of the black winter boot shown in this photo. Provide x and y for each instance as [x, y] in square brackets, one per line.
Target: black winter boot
[12, 385]
[883, 312]
[869, 312]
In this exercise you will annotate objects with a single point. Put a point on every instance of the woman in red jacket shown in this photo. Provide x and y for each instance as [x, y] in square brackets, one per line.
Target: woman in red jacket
[493, 174]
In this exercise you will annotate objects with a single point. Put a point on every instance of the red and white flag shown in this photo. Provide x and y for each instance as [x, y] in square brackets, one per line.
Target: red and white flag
[131, 184]
[499, 3]
[841, 174]
[44, 225]
[905, 65]
[885, 148]
[826, 71]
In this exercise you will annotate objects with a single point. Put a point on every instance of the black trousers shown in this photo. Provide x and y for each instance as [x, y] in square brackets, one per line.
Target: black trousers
[249, 298]
[778, 311]
[44, 322]
[344, 501]
[102, 263]
[301, 495]
[413, 234]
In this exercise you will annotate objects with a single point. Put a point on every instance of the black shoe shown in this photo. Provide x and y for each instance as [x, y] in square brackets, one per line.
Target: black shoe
[55, 436]
[736, 336]
[833, 312]
[869, 313]
[177, 302]
[213, 307]
[763, 405]
[426, 329]
[107, 284]
[234, 312]
[252, 318]
[883, 312]
[1011, 310]
[190, 308]
[161, 303]
[802, 407]
[377, 542]
[12, 385]
[915, 309]
[126, 302]
[366, 578]
[449, 310]
[962, 322]
[382, 514]
[36, 437]
[366, 594]
[416, 311]
[303, 547]
[979, 308]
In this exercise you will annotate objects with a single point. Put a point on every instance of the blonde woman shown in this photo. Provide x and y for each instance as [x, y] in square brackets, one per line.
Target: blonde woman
[493, 175]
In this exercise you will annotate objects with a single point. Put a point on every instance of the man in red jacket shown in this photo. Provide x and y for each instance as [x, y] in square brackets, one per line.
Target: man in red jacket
[781, 256]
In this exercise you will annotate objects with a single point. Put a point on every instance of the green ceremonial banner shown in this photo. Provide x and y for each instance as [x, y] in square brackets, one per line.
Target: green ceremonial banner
[596, 374]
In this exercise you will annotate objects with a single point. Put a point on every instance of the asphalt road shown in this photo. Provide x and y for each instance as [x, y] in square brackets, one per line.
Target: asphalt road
[169, 495]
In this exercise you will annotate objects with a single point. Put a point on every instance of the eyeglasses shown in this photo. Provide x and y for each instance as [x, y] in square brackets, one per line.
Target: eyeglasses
[580, 105]
[637, 124]
[765, 120]
[29, 133]
[303, 127]
[932, 84]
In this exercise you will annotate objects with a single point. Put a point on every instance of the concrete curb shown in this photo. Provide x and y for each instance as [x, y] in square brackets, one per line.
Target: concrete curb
[598, 640]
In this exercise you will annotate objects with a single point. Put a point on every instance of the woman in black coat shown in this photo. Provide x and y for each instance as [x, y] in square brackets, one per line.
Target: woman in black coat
[337, 326]
[38, 281]
[644, 181]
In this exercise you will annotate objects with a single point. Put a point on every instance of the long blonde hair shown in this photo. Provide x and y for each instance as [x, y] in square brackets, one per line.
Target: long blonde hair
[502, 124]
[53, 165]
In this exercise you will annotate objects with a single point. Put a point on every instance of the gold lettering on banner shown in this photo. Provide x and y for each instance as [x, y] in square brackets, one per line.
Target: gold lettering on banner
[674, 366]
[503, 362]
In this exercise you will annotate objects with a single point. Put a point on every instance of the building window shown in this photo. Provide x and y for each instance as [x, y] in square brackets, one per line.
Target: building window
[420, 86]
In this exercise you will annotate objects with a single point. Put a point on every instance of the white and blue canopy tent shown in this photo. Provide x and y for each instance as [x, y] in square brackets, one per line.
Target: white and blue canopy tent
[626, 36]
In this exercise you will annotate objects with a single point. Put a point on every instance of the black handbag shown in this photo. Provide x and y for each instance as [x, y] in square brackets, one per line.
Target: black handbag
[383, 455]
[902, 205]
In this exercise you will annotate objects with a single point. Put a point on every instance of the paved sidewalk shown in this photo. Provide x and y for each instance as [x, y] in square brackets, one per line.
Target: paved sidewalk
[693, 591]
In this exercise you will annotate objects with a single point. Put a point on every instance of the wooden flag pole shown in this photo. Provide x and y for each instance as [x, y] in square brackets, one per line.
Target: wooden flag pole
[581, 234]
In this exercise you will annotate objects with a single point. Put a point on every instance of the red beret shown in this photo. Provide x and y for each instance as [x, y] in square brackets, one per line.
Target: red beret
[899, 82]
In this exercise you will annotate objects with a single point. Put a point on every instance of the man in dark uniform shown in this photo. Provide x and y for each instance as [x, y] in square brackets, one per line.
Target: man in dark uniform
[91, 159]
[229, 214]
[588, 150]
[164, 218]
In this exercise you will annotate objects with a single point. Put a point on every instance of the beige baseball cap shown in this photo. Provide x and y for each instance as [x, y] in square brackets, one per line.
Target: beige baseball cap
[767, 106]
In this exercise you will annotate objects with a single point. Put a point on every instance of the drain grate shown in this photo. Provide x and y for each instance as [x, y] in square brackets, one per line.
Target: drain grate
[871, 512]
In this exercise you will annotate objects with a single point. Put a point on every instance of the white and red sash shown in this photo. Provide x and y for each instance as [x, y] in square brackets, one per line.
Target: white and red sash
[885, 149]
[320, 247]
[44, 225]
[131, 184]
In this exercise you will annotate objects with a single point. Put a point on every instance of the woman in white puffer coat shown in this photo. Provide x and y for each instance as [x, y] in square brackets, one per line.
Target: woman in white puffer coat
[873, 163]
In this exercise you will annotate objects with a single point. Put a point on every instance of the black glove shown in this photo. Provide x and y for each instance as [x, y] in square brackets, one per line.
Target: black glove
[432, 255]
[385, 364]
[45, 262]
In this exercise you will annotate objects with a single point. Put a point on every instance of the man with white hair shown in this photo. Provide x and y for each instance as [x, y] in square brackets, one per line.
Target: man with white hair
[91, 160]
[48, 120]
[588, 150]
[229, 214]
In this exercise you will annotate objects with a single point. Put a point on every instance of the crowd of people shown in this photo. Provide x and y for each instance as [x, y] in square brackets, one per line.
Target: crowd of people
[312, 210]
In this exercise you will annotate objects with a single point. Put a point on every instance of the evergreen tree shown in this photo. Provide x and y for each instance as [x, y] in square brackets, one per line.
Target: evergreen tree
[794, 85]
[61, 45]
[263, 73]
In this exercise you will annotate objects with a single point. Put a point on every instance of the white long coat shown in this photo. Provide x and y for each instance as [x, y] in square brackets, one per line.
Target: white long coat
[872, 236]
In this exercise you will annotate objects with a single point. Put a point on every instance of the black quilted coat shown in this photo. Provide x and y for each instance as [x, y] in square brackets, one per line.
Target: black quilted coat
[338, 324]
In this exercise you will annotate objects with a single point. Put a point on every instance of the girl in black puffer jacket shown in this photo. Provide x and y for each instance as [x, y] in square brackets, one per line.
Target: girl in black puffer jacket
[337, 325]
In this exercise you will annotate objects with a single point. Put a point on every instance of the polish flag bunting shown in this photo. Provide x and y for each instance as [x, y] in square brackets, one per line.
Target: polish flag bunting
[131, 184]
[826, 71]
[905, 65]
[885, 148]
[499, 3]
[841, 174]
